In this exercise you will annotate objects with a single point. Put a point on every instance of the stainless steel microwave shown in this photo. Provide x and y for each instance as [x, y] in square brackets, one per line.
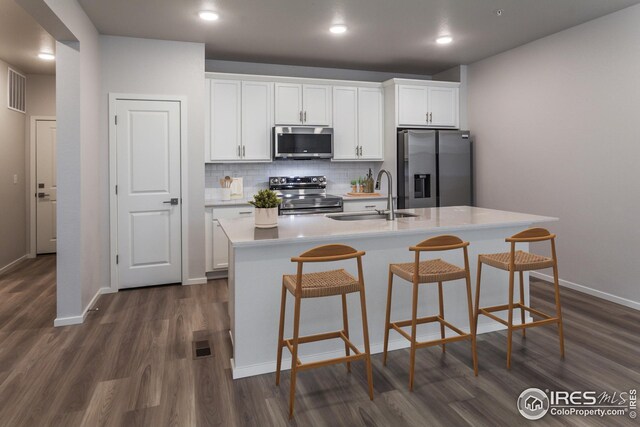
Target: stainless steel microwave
[298, 142]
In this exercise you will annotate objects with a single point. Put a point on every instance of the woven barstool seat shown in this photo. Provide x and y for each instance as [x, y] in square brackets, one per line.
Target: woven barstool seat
[324, 284]
[435, 270]
[524, 261]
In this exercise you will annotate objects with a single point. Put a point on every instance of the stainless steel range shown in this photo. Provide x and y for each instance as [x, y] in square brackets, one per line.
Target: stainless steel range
[304, 195]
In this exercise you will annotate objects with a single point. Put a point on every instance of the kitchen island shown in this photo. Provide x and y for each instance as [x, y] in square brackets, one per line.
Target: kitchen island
[259, 257]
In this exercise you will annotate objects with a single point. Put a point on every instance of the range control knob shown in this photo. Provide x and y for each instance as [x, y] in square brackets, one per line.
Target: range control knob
[283, 180]
[274, 180]
[314, 179]
[322, 179]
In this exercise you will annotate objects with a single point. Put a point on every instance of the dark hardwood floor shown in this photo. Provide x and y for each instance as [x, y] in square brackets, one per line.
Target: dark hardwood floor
[131, 364]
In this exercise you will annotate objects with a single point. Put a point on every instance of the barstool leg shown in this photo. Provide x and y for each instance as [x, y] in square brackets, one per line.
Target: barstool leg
[414, 324]
[345, 322]
[387, 324]
[365, 335]
[510, 319]
[524, 330]
[558, 309]
[294, 355]
[472, 326]
[441, 305]
[283, 303]
[477, 306]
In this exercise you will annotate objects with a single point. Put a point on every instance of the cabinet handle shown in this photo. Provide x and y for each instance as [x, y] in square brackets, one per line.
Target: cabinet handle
[357, 151]
[243, 151]
[427, 117]
[238, 151]
[431, 117]
[305, 117]
[245, 213]
[300, 116]
[361, 150]
[370, 206]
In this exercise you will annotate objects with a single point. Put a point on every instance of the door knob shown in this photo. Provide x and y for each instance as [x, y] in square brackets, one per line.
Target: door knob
[173, 201]
[43, 195]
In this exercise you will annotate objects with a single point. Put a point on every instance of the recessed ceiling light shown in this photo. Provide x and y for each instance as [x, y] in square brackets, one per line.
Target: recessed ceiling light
[46, 56]
[208, 15]
[338, 29]
[444, 40]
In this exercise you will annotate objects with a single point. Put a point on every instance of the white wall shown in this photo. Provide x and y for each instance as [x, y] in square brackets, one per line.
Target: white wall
[237, 67]
[156, 67]
[555, 125]
[82, 262]
[12, 162]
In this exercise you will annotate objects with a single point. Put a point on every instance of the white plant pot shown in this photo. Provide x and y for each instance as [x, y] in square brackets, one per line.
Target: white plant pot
[266, 217]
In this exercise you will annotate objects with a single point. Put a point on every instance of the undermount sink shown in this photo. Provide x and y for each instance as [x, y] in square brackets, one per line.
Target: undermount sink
[366, 216]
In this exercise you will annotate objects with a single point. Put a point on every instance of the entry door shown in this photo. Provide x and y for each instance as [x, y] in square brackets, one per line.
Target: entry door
[46, 189]
[148, 193]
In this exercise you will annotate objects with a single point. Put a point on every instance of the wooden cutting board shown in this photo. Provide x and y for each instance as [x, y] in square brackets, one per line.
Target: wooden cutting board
[364, 194]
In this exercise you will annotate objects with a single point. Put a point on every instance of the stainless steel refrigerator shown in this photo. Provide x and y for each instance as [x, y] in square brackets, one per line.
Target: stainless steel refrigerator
[434, 168]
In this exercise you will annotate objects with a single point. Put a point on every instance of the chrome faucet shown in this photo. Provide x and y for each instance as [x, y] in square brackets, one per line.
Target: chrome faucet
[390, 213]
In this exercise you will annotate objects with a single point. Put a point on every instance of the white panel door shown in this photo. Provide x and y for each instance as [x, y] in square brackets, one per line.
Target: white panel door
[288, 104]
[225, 120]
[345, 123]
[412, 105]
[316, 105]
[46, 186]
[148, 174]
[257, 120]
[443, 106]
[370, 123]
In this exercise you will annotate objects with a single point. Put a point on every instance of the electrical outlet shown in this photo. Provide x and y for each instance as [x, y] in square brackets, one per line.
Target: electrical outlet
[15, 178]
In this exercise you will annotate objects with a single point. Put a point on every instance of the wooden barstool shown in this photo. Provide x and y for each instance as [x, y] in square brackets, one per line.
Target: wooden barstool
[313, 285]
[520, 261]
[431, 271]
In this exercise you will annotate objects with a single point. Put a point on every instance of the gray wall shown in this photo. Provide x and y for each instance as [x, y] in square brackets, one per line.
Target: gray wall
[41, 101]
[83, 250]
[555, 125]
[156, 67]
[219, 66]
[12, 162]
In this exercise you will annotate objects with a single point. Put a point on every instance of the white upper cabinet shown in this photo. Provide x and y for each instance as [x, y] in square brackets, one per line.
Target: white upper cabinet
[434, 105]
[288, 104]
[345, 123]
[316, 102]
[240, 121]
[302, 104]
[225, 120]
[357, 123]
[370, 123]
[413, 105]
[257, 120]
[443, 106]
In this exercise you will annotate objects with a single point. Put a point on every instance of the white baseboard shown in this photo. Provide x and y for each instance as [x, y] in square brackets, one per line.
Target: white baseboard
[76, 320]
[195, 281]
[590, 291]
[395, 344]
[12, 264]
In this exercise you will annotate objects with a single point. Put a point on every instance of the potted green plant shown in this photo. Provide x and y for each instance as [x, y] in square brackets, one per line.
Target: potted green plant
[266, 203]
[354, 186]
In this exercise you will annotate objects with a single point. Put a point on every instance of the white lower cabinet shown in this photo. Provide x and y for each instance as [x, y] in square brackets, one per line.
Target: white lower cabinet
[364, 205]
[216, 242]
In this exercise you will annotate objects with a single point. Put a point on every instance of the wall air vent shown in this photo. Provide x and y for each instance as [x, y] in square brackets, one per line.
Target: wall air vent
[16, 91]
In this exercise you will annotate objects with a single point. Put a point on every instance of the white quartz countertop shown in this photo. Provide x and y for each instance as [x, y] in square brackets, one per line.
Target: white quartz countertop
[319, 228]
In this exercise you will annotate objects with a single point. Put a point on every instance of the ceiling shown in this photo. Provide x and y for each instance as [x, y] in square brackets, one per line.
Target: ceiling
[384, 35]
[22, 38]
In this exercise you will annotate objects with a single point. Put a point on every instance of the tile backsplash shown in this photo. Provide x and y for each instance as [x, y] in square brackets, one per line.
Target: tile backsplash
[255, 175]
